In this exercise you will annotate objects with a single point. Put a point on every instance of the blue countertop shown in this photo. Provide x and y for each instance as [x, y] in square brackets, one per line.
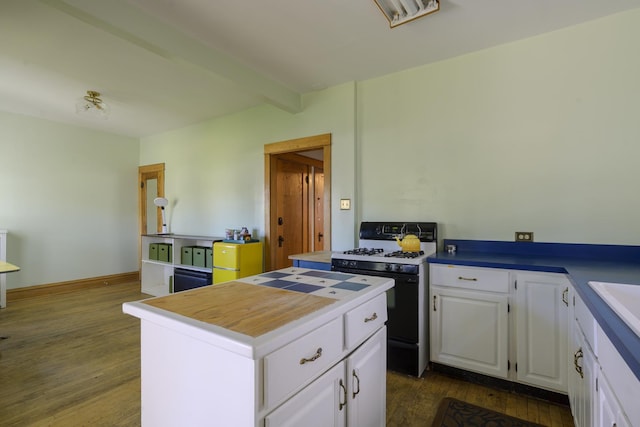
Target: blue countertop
[581, 262]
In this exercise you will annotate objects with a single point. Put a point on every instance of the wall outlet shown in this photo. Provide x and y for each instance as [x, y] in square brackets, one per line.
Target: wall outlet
[345, 204]
[524, 236]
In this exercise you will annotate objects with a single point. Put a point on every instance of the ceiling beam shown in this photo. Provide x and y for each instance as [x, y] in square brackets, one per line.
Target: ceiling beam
[132, 25]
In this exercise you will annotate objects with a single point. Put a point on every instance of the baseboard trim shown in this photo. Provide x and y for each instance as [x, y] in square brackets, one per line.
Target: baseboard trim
[71, 286]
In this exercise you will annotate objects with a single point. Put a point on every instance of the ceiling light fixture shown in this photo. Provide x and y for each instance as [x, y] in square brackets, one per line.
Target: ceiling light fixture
[399, 12]
[92, 105]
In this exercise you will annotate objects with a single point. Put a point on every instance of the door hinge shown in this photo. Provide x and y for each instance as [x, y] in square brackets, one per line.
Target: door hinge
[142, 184]
[508, 308]
[508, 365]
[515, 366]
[306, 179]
[596, 383]
[515, 283]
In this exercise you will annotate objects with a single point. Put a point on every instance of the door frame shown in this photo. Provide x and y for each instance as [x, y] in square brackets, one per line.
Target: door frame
[322, 142]
[146, 172]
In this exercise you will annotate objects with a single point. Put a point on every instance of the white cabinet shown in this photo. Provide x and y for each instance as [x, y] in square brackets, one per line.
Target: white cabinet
[327, 368]
[156, 276]
[469, 328]
[541, 334]
[618, 387]
[609, 411]
[321, 404]
[583, 367]
[367, 383]
[351, 393]
[481, 323]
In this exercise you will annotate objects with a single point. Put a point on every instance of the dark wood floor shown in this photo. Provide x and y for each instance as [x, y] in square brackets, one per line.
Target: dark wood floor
[73, 360]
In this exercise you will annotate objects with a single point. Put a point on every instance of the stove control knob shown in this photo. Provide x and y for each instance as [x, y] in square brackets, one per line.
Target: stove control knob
[388, 267]
[353, 264]
[398, 267]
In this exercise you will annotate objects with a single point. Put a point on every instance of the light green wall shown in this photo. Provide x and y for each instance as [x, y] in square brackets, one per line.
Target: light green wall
[539, 135]
[214, 170]
[69, 201]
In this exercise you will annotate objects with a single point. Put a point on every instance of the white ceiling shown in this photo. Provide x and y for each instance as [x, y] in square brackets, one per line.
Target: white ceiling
[163, 64]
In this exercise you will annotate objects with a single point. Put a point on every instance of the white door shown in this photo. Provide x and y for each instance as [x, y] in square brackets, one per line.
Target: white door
[541, 313]
[609, 411]
[366, 377]
[469, 330]
[321, 404]
[582, 379]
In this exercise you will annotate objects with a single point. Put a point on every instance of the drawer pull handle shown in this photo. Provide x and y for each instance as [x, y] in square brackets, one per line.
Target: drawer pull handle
[344, 395]
[565, 297]
[577, 356]
[372, 318]
[355, 376]
[312, 358]
[470, 279]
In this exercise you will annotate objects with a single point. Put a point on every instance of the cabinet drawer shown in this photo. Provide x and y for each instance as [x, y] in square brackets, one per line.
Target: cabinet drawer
[364, 320]
[585, 320]
[292, 366]
[475, 278]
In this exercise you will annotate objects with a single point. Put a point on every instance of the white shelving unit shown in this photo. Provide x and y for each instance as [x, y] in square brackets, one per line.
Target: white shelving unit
[156, 276]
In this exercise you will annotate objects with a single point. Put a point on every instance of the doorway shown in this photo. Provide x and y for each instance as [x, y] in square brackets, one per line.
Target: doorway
[297, 198]
[150, 186]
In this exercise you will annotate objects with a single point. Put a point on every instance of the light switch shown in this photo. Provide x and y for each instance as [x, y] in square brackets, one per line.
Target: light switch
[345, 204]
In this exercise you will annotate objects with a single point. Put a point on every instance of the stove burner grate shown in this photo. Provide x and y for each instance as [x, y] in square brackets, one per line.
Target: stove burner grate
[400, 254]
[364, 251]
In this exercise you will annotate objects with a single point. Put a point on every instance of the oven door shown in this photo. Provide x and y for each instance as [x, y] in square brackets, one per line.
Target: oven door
[402, 304]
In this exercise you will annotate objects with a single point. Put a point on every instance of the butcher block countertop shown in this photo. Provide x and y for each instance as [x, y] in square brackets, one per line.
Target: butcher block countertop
[248, 309]
[255, 315]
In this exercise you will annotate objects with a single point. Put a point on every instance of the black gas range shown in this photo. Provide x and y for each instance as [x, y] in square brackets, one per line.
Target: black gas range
[378, 254]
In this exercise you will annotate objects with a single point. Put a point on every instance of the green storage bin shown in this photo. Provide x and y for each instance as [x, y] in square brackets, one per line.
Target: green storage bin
[198, 256]
[186, 257]
[153, 251]
[165, 252]
[208, 257]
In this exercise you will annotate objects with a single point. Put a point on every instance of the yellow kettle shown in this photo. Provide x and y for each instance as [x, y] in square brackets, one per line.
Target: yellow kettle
[410, 243]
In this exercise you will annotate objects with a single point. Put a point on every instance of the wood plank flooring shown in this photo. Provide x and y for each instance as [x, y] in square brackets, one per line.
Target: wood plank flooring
[74, 360]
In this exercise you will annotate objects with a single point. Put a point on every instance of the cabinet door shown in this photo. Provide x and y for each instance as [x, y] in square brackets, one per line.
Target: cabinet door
[541, 315]
[609, 411]
[367, 382]
[469, 330]
[582, 379]
[321, 404]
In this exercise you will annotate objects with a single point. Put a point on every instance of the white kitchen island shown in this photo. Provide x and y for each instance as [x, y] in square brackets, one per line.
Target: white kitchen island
[284, 348]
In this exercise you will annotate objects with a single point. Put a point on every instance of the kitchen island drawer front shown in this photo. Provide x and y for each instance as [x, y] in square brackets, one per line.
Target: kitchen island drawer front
[475, 278]
[363, 321]
[294, 365]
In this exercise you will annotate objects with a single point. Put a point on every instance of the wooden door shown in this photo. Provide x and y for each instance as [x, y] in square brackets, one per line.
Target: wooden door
[318, 201]
[318, 212]
[291, 211]
[150, 186]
